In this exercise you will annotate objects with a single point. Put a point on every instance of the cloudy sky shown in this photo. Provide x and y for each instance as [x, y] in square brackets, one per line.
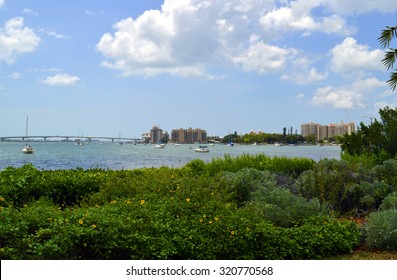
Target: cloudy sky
[119, 67]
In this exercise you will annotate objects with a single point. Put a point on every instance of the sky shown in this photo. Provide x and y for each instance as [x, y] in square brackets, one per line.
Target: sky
[116, 68]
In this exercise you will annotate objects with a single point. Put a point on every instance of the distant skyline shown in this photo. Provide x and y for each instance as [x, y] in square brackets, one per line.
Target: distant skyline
[111, 68]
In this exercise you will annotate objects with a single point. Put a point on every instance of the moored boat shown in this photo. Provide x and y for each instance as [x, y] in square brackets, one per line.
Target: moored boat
[202, 149]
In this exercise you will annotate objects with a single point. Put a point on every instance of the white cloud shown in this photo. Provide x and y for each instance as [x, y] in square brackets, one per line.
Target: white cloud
[263, 58]
[348, 96]
[30, 12]
[56, 35]
[2, 2]
[297, 16]
[190, 37]
[301, 72]
[61, 79]
[16, 39]
[350, 56]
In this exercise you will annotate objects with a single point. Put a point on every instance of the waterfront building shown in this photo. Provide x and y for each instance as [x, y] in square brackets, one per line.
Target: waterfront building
[189, 135]
[156, 134]
[322, 132]
[309, 129]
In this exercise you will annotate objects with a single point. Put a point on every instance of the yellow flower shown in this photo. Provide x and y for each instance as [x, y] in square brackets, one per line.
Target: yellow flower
[232, 232]
[93, 226]
[2, 199]
[172, 177]
[187, 199]
[128, 202]
[216, 219]
[210, 222]
[142, 201]
[66, 221]
[81, 222]
[201, 220]
[113, 202]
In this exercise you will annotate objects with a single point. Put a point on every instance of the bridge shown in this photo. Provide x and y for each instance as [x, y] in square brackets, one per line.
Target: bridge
[67, 138]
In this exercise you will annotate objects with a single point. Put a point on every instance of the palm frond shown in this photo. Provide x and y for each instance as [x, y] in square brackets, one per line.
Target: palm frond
[387, 35]
[393, 81]
[390, 58]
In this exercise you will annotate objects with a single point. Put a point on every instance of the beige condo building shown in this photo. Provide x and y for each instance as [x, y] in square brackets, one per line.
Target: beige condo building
[322, 132]
[189, 135]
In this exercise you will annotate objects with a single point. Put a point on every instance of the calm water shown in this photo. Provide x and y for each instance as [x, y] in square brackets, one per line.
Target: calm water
[63, 155]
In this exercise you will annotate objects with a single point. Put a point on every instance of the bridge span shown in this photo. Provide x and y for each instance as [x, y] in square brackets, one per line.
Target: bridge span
[67, 138]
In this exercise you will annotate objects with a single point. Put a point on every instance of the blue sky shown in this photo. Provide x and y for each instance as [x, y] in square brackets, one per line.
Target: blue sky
[118, 67]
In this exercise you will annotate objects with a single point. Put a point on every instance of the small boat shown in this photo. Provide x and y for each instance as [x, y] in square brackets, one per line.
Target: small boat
[27, 149]
[278, 144]
[202, 149]
[160, 146]
[231, 144]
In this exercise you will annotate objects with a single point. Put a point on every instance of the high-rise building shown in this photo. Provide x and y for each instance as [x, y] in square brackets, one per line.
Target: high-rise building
[189, 135]
[327, 131]
[309, 128]
[156, 134]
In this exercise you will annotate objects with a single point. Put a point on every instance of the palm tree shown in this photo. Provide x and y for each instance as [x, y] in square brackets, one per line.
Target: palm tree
[390, 57]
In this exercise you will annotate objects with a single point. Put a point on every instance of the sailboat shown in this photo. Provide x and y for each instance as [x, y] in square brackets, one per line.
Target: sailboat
[27, 149]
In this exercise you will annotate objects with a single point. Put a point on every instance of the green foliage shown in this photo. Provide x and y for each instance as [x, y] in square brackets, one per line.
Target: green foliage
[385, 38]
[376, 139]
[24, 185]
[390, 202]
[246, 181]
[382, 230]
[160, 213]
[289, 166]
[283, 208]
[386, 172]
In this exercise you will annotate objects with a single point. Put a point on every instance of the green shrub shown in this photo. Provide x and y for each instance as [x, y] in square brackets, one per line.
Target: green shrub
[386, 172]
[382, 230]
[390, 202]
[321, 237]
[365, 196]
[283, 208]
[246, 181]
[289, 166]
[331, 182]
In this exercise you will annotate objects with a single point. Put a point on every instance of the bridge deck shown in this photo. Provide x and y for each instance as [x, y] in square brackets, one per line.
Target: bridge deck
[67, 138]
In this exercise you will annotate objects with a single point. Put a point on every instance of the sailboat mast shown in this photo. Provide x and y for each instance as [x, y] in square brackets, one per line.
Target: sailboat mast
[27, 127]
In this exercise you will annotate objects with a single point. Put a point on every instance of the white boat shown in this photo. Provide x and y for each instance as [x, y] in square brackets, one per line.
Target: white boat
[27, 149]
[160, 146]
[202, 149]
[278, 144]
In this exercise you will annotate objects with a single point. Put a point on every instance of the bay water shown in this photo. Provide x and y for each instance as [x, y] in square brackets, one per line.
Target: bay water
[106, 155]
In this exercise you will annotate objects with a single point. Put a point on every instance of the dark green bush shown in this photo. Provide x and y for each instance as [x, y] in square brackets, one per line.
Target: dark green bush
[390, 202]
